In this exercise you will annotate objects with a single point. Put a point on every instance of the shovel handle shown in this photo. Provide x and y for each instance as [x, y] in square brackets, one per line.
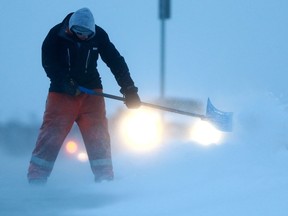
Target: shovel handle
[155, 106]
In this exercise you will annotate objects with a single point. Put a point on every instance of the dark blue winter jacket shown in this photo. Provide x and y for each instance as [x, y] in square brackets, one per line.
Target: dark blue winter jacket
[65, 56]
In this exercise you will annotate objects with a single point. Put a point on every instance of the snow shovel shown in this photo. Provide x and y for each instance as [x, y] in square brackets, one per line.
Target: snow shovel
[221, 120]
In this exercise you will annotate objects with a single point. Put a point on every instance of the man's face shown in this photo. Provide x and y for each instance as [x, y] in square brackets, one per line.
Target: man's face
[82, 37]
[82, 33]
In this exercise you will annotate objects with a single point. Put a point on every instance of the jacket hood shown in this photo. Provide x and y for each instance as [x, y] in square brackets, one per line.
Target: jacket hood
[83, 18]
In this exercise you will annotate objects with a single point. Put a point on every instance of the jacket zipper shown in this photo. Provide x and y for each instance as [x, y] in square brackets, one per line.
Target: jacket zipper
[87, 61]
[69, 60]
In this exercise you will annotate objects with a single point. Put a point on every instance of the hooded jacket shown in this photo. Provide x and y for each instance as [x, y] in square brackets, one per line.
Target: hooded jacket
[64, 56]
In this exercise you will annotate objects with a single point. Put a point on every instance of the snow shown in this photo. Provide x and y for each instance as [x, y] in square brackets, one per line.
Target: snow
[245, 175]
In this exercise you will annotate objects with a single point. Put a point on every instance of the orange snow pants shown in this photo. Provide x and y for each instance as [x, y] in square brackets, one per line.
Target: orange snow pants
[61, 112]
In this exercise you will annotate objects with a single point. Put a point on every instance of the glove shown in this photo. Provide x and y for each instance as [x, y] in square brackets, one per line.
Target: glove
[132, 99]
[70, 87]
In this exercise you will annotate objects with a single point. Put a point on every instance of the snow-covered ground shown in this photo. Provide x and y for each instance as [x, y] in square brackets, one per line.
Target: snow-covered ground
[245, 176]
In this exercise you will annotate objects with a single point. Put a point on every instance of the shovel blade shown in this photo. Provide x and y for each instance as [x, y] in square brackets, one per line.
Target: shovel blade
[221, 120]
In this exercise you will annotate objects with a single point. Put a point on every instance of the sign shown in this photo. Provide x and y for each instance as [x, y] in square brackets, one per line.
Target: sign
[164, 9]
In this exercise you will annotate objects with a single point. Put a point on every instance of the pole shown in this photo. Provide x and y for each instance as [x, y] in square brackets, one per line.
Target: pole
[162, 59]
[164, 14]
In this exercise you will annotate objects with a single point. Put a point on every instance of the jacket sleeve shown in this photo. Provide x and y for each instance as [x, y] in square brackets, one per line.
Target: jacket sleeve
[113, 59]
[50, 57]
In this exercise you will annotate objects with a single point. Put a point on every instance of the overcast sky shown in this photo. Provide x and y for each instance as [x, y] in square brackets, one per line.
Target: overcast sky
[220, 49]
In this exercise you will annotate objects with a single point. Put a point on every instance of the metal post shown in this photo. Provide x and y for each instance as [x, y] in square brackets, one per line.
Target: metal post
[164, 14]
[162, 59]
